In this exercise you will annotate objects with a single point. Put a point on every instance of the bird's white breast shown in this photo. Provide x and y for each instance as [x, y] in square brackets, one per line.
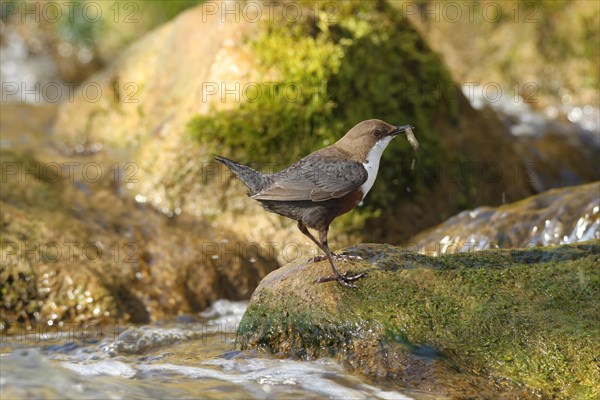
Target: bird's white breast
[372, 164]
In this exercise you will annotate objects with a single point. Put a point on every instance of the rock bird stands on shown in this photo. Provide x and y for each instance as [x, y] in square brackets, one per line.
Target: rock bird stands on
[325, 184]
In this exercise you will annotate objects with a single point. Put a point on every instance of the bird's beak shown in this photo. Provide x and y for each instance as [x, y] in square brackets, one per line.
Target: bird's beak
[400, 129]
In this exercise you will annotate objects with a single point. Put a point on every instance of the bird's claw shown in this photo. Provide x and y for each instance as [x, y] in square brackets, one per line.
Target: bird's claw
[347, 257]
[353, 278]
[343, 279]
[337, 257]
[345, 283]
[317, 259]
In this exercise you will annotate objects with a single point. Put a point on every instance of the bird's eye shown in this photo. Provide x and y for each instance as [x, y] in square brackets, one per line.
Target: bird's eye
[377, 133]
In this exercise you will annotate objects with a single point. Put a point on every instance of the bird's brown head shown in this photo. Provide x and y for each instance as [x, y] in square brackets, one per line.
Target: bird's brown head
[364, 136]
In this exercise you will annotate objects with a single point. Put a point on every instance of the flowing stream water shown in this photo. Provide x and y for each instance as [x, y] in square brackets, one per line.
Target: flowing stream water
[192, 357]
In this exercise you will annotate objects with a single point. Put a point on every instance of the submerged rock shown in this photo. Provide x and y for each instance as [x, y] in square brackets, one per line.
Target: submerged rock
[490, 324]
[558, 216]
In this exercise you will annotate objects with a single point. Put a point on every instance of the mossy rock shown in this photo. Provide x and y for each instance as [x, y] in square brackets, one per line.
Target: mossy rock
[490, 324]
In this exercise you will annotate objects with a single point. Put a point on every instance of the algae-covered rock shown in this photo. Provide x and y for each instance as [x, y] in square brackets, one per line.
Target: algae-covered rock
[490, 324]
[558, 216]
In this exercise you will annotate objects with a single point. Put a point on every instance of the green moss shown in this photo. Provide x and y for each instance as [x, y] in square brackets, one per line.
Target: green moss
[331, 74]
[529, 317]
[307, 334]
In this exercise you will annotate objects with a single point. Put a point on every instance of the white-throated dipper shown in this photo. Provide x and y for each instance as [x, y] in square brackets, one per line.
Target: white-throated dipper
[325, 184]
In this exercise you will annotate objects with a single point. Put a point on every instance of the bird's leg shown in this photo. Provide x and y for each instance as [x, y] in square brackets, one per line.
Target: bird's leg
[343, 279]
[329, 255]
[309, 235]
[342, 257]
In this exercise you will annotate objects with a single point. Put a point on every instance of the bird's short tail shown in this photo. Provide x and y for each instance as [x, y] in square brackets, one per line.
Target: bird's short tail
[255, 181]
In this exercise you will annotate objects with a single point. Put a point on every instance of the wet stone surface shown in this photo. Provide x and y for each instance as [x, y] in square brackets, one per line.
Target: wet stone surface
[494, 323]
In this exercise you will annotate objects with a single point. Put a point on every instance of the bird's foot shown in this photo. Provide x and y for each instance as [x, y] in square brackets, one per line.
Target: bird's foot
[319, 258]
[347, 257]
[344, 257]
[343, 279]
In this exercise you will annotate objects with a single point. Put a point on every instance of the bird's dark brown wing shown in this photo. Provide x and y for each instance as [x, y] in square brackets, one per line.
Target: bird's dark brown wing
[315, 178]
